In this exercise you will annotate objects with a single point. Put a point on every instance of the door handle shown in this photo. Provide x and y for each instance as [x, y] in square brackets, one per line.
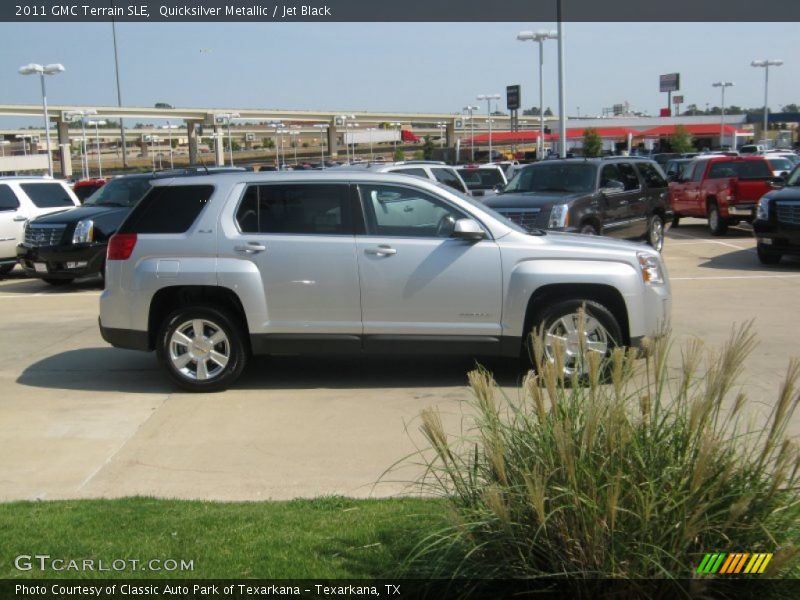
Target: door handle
[250, 248]
[20, 218]
[381, 251]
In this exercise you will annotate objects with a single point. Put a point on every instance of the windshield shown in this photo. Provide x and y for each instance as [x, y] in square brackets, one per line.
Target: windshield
[779, 164]
[794, 177]
[554, 177]
[490, 211]
[120, 192]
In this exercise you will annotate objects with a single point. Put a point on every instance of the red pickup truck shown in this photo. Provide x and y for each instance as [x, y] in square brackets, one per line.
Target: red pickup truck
[722, 189]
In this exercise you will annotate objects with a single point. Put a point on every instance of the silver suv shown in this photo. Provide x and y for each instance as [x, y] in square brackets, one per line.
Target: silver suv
[207, 270]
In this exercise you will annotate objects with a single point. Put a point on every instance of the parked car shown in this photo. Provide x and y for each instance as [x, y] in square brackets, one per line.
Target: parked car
[483, 179]
[86, 187]
[662, 157]
[341, 261]
[25, 198]
[433, 170]
[780, 166]
[61, 247]
[777, 223]
[624, 197]
[722, 189]
[674, 167]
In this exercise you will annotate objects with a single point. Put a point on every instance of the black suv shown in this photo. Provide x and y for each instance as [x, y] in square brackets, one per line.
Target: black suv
[64, 246]
[623, 197]
[777, 222]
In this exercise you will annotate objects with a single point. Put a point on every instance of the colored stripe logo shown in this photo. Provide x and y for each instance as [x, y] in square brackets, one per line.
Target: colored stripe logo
[734, 563]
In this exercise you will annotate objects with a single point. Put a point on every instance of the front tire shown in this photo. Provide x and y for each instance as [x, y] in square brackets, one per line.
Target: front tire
[655, 232]
[765, 257]
[589, 229]
[6, 269]
[202, 348]
[676, 219]
[716, 224]
[559, 328]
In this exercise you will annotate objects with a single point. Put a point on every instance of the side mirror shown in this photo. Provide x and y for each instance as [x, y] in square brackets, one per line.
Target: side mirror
[468, 229]
[498, 189]
[776, 183]
[612, 187]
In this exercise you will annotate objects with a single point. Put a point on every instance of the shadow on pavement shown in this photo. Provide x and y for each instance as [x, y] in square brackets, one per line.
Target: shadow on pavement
[747, 260]
[700, 232]
[127, 371]
[19, 283]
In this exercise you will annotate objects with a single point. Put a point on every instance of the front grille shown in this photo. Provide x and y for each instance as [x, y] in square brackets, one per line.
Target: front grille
[528, 218]
[44, 235]
[788, 212]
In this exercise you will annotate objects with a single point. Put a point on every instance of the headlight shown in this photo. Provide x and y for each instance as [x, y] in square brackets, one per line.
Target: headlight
[650, 267]
[84, 232]
[762, 211]
[559, 216]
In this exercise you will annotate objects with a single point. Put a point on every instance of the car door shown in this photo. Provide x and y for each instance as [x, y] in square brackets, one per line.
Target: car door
[417, 280]
[300, 236]
[636, 207]
[12, 221]
[687, 199]
[617, 218]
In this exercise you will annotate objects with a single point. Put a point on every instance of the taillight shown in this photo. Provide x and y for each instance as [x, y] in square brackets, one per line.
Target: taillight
[120, 246]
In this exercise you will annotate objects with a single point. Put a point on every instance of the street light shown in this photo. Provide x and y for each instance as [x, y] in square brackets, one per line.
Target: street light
[351, 125]
[294, 143]
[97, 144]
[397, 125]
[227, 118]
[540, 37]
[766, 64]
[169, 129]
[723, 85]
[153, 139]
[441, 125]
[323, 127]
[278, 125]
[23, 137]
[3, 144]
[344, 119]
[42, 71]
[73, 116]
[489, 98]
[470, 110]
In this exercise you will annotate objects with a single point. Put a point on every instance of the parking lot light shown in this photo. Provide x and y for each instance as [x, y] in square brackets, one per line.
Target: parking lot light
[22, 136]
[722, 85]
[489, 98]
[470, 109]
[97, 144]
[169, 129]
[3, 144]
[227, 118]
[323, 127]
[51, 69]
[73, 116]
[540, 37]
[766, 64]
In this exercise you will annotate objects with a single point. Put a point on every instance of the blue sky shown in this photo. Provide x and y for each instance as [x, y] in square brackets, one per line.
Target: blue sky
[437, 67]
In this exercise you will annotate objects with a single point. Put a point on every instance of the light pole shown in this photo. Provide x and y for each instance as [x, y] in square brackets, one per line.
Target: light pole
[119, 95]
[22, 136]
[3, 144]
[323, 128]
[52, 69]
[441, 125]
[766, 64]
[277, 125]
[352, 126]
[227, 118]
[345, 124]
[169, 129]
[562, 91]
[292, 136]
[540, 37]
[470, 109]
[72, 116]
[722, 85]
[97, 144]
[395, 125]
[489, 98]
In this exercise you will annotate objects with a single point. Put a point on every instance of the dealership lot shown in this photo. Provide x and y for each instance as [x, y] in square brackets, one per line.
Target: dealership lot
[81, 419]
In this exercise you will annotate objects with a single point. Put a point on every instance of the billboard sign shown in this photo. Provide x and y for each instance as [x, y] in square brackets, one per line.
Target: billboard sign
[671, 82]
[677, 99]
[513, 97]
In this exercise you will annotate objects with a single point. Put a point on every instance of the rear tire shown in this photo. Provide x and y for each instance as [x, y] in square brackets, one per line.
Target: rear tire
[558, 325]
[676, 219]
[57, 282]
[202, 348]
[6, 269]
[589, 229]
[765, 257]
[716, 224]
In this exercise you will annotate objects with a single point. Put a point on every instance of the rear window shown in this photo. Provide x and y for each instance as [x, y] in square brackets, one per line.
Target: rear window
[744, 169]
[47, 195]
[8, 200]
[448, 177]
[124, 192]
[168, 209]
[481, 179]
[651, 176]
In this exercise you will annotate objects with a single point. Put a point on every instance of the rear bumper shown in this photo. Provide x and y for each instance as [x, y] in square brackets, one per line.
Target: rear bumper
[744, 212]
[125, 338]
[88, 260]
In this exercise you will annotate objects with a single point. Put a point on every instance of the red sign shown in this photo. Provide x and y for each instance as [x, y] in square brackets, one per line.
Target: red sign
[665, 112]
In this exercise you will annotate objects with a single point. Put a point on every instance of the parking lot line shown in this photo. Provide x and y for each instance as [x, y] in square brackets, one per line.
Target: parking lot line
[48, 294]
[734, 277]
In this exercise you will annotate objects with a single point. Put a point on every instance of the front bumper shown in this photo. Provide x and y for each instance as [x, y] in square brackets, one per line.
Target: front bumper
[62, 262]
[775, 238]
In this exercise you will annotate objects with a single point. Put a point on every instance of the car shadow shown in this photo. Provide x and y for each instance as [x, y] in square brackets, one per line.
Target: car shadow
[747, 260]
[700, 231]
[17, 282]
[117, 370]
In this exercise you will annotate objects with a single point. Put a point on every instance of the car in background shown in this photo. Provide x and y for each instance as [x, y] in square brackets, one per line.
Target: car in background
[662, 157]
[86, 187]
[61, 247]
[25, 198]
[623, 197]
[433, 170]
[674, 167]
[780, 165]
[777, 223]
[483, 179]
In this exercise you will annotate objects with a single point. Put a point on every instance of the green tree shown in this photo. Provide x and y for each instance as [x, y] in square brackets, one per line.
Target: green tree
[399, 155]
[268, 143]
[427, 148]
[592, 144]
[681, 140]
[790, 108]
[548, 112]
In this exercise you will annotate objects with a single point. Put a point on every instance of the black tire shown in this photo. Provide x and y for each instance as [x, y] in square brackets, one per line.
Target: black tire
[716, 224]
[218, 377]
[589, 229]
[676, 219]
[57, 282]
[547, 321]
[766, 257]
[6, 269]
[655, 232]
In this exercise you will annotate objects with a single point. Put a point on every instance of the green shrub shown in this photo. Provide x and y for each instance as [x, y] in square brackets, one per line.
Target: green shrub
[637, 478]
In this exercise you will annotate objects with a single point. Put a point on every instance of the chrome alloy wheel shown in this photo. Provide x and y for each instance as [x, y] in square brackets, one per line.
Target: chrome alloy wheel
[575, 336]
[199, 349]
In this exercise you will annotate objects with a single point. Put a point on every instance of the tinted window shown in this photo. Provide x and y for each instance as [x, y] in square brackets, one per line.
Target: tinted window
[780, 164]
[84, 191]
[553, 177]
[448, 177]
[125, 191]
[699, 169]
[415, 172]
[481, 179]
[629, 177]
[8, 200]
[301, 209]
[168, 209]
[651, 176]
[398, 211]
[608, 174]
[47, 195]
